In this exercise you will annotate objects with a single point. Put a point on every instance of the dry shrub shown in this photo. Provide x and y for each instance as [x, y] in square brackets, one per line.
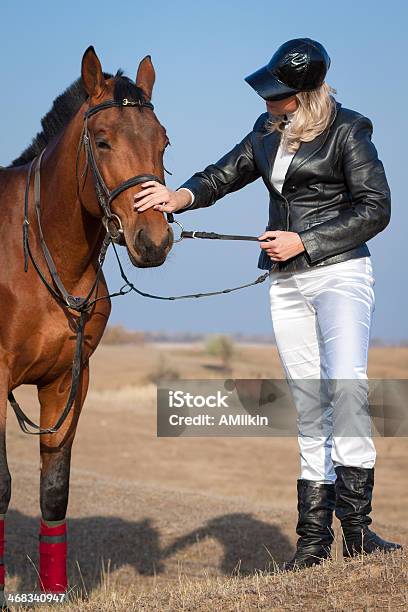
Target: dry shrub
[117, 334]
[162, 370]
[222, 347]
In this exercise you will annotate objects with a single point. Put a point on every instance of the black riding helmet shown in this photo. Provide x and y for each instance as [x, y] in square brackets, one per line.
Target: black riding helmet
[298, 65]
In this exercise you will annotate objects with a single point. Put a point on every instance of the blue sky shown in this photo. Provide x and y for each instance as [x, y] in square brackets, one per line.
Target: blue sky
[201, 52]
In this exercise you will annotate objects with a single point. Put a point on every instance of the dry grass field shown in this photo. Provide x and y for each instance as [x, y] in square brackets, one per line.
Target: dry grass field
[179, 524]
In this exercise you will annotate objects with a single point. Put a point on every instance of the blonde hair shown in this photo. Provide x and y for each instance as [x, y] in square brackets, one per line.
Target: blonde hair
[311, 118]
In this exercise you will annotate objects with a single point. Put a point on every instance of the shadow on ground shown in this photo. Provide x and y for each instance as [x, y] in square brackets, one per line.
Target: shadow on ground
[248, 544]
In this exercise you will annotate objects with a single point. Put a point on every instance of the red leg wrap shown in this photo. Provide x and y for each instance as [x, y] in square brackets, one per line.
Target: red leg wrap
[1, 555]
[53, 558]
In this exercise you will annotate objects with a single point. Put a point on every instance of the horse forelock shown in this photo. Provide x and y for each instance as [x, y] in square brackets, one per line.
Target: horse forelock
[66, 106]
[126, 88]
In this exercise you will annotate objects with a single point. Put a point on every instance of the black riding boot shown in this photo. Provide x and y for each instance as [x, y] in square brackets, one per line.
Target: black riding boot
[315, 507]
[354, 489]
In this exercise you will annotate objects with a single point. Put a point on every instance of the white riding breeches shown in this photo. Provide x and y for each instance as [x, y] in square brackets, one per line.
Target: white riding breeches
[321, 320]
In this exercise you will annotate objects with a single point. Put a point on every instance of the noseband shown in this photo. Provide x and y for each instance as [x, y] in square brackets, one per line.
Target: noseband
[110, 220]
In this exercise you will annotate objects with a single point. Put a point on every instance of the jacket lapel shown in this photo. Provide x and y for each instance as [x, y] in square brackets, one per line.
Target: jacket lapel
[271, 145]
[308, 149]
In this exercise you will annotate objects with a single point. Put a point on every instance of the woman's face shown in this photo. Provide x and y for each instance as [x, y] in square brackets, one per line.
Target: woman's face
[280, 107]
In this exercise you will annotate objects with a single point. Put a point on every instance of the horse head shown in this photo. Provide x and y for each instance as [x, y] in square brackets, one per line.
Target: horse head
[126, 141]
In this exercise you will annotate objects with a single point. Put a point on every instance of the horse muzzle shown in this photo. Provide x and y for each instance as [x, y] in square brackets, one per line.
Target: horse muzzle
[150, 248]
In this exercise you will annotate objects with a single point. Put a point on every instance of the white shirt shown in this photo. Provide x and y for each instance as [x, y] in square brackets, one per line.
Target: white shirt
[280, 166]
[282, 162]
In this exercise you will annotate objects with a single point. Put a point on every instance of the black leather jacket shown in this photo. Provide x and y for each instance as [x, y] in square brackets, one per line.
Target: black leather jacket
[335, 194]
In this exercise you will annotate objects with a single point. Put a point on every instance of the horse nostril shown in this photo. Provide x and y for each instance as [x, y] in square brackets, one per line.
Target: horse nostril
[153, 246]
[140, 240]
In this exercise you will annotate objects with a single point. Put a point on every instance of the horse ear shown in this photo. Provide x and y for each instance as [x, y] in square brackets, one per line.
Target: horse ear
[146, 76]
[92, 75]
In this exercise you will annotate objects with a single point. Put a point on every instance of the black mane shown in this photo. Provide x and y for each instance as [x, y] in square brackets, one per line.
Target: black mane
[66, 105]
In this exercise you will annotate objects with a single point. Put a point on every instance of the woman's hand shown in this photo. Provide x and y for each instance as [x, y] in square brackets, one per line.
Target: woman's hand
[283, 245]
[157, 196]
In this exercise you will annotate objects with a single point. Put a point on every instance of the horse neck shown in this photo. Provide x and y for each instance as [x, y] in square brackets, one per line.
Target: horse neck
[72, 234]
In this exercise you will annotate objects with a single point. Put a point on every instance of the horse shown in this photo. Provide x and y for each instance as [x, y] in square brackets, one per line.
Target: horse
[99, 132]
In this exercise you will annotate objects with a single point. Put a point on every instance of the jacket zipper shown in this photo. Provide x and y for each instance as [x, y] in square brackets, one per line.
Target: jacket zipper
[287, 213]
[287, 227]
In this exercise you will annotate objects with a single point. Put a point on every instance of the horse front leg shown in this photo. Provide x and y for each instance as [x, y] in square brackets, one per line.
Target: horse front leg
[5, 486]
[55, 450]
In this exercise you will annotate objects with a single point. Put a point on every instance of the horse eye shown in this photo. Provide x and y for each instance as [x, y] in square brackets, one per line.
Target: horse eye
[102, 144]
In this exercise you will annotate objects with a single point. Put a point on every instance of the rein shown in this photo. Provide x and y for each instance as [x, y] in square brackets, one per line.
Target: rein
[114, 234]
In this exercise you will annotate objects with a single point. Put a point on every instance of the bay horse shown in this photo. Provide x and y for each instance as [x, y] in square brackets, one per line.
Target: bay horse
[37, 333]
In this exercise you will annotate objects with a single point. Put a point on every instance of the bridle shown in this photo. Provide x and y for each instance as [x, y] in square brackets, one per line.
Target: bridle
[114, 234]
[110, 220]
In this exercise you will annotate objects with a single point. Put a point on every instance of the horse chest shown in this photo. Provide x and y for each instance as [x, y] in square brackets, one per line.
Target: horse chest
[44, 356]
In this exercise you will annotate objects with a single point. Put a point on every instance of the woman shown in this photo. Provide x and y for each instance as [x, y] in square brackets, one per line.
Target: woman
[328, 196]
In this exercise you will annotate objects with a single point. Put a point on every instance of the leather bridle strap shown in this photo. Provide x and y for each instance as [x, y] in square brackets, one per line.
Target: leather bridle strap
[112, 103]
[132, 182]
[215, 236]
[105, 196]
[68, 299]
[60, 293]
